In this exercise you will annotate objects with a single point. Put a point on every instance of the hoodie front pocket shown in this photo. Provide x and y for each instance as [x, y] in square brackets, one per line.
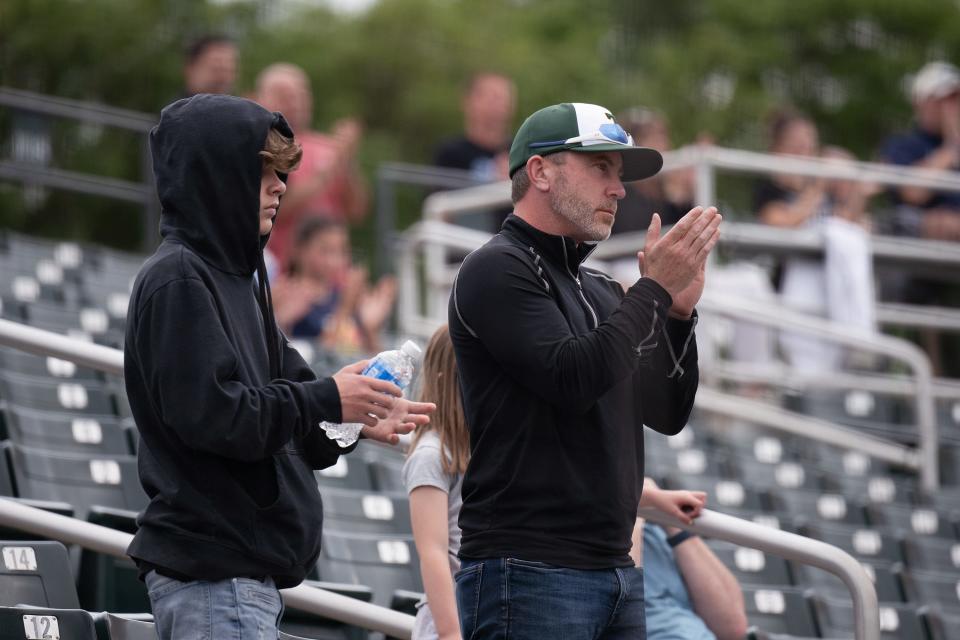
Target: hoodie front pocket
[287, 532]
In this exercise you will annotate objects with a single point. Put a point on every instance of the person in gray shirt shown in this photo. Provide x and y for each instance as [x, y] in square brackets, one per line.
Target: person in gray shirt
[432, 475]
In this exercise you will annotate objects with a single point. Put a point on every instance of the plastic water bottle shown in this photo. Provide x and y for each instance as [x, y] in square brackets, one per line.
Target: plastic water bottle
[396, 366]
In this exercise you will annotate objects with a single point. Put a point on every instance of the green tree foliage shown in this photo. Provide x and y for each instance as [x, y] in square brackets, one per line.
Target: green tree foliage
[716, 66]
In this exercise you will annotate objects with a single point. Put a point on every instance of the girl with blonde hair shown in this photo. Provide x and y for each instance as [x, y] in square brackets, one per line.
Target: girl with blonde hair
[432, 475]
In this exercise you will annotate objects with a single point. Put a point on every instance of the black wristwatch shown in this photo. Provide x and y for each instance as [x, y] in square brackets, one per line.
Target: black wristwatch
[677, 538]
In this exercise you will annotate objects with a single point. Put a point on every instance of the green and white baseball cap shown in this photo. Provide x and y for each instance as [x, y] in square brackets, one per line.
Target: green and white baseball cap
[580, 127]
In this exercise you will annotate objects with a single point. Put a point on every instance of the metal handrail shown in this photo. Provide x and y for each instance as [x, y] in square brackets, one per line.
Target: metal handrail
[45, 106]
[366, 615]
[866, 610]
[763, 314]
[91, 112]
[114, 543]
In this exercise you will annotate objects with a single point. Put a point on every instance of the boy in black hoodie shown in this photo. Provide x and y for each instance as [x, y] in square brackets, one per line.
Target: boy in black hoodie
[228, 411]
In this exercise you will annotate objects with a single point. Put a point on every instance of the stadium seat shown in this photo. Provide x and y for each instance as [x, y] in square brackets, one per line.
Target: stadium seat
[383, 563]
[779, 610]
[752, 566]
[722, 494]
[350, 472]
[78, 479]
[29, 623]
[846, 462]
[942, 626]
[6, 473]
[37, 574]
[28, 364]
[917, 520]
[787, 474]
[107, 583]
[75, 396]
[874, 489]
[365, 512]
[897, 621]
[110, 626]
[60, 431]
[931, 554]
[940, 589]
[819, 506]
[114, 627]
[386, 475]
[386, 466]
[852, 407]
[866, 543]
[11, 309]
[885, 577]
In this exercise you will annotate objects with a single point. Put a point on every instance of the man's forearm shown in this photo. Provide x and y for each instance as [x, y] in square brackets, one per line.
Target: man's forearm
[715, 592]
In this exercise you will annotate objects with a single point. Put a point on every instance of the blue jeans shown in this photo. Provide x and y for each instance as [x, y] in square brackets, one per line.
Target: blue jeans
[510, 599]
[233, 609]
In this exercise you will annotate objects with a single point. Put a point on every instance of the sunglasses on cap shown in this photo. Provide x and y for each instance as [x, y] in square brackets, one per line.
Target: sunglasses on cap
[606, 133]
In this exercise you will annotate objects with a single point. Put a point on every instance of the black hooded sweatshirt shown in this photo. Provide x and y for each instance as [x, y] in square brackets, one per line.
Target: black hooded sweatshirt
[228, 412]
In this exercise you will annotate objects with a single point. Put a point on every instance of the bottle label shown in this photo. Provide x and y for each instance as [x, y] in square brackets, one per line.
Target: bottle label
[378, 370]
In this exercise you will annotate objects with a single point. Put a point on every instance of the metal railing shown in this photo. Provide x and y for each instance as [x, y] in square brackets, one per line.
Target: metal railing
[114, 543]
[369, 616]
[390, 176]
[764, 314]
[930, 258]
[142, 193]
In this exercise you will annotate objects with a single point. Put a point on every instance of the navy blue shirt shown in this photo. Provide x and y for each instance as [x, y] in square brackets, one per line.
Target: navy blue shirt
[910, 148]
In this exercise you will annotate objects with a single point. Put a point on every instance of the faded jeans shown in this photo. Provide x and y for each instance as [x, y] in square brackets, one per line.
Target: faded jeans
[232, 609]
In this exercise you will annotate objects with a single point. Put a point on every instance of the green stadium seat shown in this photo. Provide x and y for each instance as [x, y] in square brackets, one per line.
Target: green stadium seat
[366, 512]
[77, 479]
[36, 573]
[897, 621]
[108, 583]
[779, 610]
[385, 563]
[29, 623]
[61, 431]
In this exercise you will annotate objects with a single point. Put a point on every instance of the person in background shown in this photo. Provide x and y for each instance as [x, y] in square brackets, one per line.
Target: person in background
[210, 65]
[670, 194]
[840, 286]
[689, 593]
[329, 183]
[488, 102]
[323, 296]
[933, 143]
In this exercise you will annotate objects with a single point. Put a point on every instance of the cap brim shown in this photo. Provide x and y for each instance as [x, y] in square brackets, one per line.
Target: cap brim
[638, 162]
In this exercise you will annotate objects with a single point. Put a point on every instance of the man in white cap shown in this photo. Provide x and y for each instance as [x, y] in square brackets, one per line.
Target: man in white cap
[934, 143]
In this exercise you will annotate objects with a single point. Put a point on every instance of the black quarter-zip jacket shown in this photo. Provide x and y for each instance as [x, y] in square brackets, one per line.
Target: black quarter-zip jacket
[559, 371]
[229, 435]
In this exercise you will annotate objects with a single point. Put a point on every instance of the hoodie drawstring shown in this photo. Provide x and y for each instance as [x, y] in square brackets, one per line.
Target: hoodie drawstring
[270, 328]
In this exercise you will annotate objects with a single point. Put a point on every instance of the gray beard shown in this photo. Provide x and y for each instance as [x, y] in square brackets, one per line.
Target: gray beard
[569, 205]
